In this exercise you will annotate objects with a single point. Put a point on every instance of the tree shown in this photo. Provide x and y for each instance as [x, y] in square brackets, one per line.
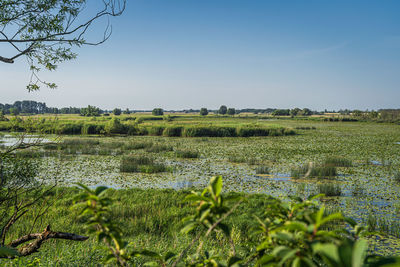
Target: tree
[23, 195]
[158, 112]
[14, 111]
[117, 111]
[46, 31]
[90, 111]
[231, 111]
[203, 111]
[127, 111]
[295, 111]
[222, 110]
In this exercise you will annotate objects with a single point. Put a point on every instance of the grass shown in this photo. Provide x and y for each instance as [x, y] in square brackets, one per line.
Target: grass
[187, 154]
[149, 219]
[338, 162]
[397, 177]
[141, 164]
[330, 189]
[157, 148]
[262, 170]
[241, 159]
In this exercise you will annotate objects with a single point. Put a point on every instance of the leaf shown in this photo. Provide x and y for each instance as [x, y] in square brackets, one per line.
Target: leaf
[331, 217]
[150, 253]
[188, 227]
[100, 189]
[327, 251]
[216, 185]
[359, 253]
[5, 252]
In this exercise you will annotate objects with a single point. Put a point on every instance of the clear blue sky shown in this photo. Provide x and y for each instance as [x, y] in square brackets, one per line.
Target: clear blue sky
[180, 54]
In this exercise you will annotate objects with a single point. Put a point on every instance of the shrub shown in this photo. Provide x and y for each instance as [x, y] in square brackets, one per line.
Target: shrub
[117, 111]
[70, 128]
[172, 131]
[115, 126]
[92, 129]
[158, 112]
[186, 154]
[231, 111]
[155, 130]
[209, 131]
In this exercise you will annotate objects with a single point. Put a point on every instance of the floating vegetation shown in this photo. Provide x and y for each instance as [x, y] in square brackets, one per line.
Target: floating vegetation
[318, 171]
[240, 159]
[137, 145]
[397, 177]
[330, 189]
[80, 142]
[158, 148]
[187, 154]
[262, 170]
[338, 162]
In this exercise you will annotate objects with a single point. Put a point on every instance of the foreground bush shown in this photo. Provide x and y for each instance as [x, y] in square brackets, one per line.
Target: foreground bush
[289, 234]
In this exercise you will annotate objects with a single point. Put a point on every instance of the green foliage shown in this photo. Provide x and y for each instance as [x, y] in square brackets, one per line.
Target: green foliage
[115, 126]
[141, 164]
[231, 111]
[158, 112]
[262, 170]
[90, 111]
[97, 206]
[222, 110]
[186, 154]
[330, 189]
[288, 234]
[338, 162]
[203, 111]
[117, 111]
[172, 131]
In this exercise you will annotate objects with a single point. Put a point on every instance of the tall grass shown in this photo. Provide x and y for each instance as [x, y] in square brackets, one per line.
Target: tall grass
[330, 189]
[141, 164]
[187, 154]
[157, 148]
[338, 162]
[262, 170]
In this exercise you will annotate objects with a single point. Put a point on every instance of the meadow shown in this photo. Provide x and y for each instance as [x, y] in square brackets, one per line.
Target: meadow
[150, 170]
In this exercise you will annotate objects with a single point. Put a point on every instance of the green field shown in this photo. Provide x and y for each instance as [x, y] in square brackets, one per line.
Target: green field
[364, 186]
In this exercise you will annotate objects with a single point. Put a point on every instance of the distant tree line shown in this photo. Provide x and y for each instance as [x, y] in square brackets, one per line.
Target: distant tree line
[33, 107]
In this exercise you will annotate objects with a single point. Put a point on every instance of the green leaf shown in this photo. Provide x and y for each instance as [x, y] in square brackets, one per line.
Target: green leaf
[359, 253]
[100, 189]
[6, 251]
[216, 185]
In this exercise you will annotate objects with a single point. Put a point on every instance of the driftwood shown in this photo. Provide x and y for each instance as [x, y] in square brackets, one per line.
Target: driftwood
[39, 238]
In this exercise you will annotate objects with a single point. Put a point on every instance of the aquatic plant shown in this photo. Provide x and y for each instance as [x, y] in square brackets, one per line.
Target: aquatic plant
[338, 162]
[187, 154]
[262, 170]
[330, 189]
